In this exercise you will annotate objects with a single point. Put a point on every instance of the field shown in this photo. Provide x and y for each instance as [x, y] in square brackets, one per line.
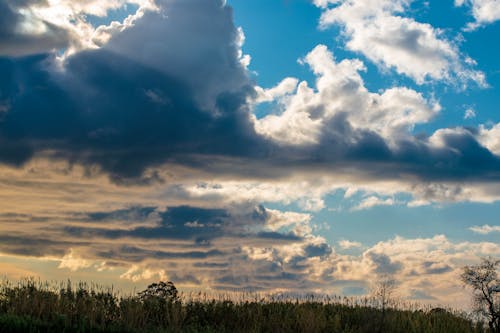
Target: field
[30, 306]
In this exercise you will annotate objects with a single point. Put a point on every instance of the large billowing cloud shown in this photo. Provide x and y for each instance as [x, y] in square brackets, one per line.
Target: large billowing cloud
[151, 94]
[382, 33]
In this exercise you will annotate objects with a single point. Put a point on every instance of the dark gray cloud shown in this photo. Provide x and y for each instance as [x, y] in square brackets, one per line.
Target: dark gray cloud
[382, 263]
[137, 214]
[171, 85]
[200, 226]
[37, 246]
[115, 124]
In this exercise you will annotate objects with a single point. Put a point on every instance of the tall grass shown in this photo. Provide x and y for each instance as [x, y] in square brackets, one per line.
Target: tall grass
[34, 306]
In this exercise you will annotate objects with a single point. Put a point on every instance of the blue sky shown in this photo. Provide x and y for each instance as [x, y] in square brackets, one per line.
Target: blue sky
[284, 33]
[320, 145]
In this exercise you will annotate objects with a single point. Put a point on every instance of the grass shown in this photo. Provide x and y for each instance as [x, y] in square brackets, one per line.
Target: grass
[30, 306]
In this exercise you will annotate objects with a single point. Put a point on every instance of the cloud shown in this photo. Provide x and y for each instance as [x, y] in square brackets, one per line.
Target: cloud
[31, 27]
[204, 55]
[381, 33]
[33, 37]
[485, 229]
[469, 114]
[96, 108]
[135, 115]
[342, 121]
[347, 244]
[374, 201]
[483, 11]
[342, 96]
[286, 87]
[490, 138]
[203, 242]
[381, 263]
[72, 262]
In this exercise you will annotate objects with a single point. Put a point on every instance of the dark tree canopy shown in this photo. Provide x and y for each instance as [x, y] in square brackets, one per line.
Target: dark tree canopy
[485, 283]
[162, 290]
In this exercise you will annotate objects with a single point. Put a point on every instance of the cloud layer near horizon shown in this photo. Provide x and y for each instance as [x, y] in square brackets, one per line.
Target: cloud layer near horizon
[144, 233]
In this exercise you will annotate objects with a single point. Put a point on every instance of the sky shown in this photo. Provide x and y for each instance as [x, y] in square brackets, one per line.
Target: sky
[299, 146]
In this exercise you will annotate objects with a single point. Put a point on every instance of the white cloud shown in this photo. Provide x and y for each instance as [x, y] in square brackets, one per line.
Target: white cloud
[307, 193]
[490, 138]
[347, 244]
[340, 90]
[483, 11]
[74, 262]
[469, 114]
[277, 219]
[374, 201]
[45, 26]
[378, 30]
[137, 273]
[245, 59]
[485, 229]
[284, 88]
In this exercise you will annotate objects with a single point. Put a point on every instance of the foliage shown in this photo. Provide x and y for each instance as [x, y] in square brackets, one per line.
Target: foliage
[382, 292]
[39, 307]
[485, 283]
[162, 290]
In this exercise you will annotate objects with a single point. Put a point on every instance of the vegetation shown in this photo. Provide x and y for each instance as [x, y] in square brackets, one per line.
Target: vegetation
[31, 306]
[485, 283]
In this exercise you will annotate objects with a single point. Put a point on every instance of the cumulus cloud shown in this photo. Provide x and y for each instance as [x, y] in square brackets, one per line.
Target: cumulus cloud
[381, 32]
[483, 11]
[341, 93]
[110, 97]
[204, 55]
[490, 138]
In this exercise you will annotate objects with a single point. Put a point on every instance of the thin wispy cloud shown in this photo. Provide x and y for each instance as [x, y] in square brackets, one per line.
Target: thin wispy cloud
[485, 229]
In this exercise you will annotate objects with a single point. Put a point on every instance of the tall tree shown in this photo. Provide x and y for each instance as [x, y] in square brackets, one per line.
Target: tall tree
[485, 283]
[383, 290]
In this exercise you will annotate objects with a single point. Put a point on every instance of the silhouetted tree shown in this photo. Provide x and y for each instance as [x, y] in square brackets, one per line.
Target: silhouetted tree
[383, 290]
[162, 290]
[485, 283]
